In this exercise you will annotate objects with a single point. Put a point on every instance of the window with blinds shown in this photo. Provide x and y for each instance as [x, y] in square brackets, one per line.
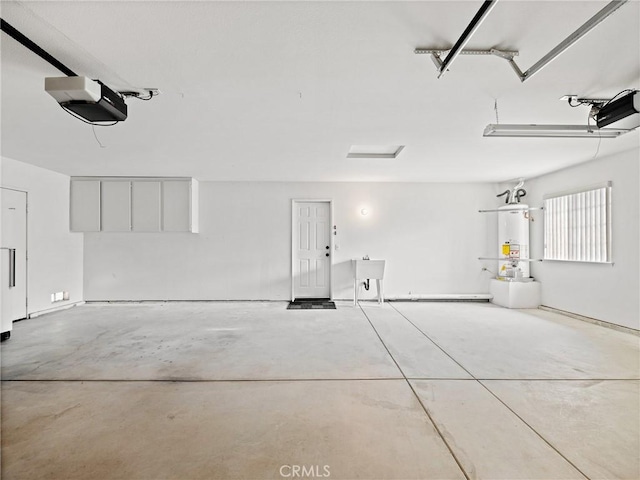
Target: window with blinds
[577, 225]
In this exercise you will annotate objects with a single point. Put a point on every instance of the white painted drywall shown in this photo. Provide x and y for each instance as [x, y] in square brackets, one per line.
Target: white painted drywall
[430, 235]
[55, 261]
[605, 292]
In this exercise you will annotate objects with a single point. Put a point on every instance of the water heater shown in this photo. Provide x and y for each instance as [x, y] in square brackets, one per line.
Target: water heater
[513, 241]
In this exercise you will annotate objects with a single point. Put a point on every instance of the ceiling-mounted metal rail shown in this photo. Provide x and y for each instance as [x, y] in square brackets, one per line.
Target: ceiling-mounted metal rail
[21, 38]
[457, 49]
[562, 46]
[574, 37]
[443, 65]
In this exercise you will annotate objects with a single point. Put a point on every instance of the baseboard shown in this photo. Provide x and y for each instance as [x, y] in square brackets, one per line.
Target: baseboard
[437, 297]
[446, 297]
[54, 309]
[591, 320]
[126, 302]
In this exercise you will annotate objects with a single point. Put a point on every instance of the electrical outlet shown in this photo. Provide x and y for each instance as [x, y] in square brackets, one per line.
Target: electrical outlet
[58, 296]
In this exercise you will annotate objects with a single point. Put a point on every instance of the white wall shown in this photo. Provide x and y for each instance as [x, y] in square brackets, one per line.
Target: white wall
[430, 234]
[55, 254]
[605, 292]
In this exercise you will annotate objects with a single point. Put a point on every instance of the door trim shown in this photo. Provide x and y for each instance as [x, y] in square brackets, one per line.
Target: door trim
[295, 201]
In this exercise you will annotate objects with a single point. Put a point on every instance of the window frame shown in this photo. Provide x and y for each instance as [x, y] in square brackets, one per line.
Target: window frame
[565, 224]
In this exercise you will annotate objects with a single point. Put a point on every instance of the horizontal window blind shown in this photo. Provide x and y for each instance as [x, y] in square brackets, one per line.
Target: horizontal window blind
[577, 225]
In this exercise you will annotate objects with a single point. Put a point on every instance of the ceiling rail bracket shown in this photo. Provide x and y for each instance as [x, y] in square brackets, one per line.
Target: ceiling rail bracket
[436, 54]
[508, 56]
[466, 35]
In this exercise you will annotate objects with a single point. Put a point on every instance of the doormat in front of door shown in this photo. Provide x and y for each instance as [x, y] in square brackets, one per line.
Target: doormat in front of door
[319, 304]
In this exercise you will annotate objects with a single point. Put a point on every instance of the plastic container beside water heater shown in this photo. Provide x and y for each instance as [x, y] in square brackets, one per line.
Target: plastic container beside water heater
[513, 241]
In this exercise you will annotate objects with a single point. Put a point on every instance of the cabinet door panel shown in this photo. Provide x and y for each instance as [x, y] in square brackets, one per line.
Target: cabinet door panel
[176, 206]
[116, 206]
[85, 206]
[145, 206]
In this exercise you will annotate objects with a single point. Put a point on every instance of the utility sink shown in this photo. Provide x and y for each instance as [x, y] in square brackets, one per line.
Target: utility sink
[368, 269]
[373, 269]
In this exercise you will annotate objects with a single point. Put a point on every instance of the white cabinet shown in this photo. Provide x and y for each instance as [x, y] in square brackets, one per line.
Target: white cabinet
[141, 204]
[176, 200]
[145, 206]
[116, 206]
[85, 206]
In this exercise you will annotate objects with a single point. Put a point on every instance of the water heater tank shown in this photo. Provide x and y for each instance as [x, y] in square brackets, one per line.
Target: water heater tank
[513, 241]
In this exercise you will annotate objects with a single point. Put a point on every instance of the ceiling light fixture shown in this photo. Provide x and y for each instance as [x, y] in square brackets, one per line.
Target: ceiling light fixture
[552, 131]
[374, 151]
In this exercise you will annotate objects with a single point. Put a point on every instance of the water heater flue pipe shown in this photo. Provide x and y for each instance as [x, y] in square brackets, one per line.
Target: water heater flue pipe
[514, 195]
[508, 194]
[521, 192]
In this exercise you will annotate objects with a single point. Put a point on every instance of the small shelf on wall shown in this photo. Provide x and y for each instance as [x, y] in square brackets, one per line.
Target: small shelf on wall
[515, 209]
[507, 259]
[133, 204]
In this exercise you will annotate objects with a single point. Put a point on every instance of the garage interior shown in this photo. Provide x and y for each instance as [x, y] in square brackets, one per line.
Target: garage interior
[295, 255]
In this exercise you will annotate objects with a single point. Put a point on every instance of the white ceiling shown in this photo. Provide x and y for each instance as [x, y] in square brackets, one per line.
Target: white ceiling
[278, 91]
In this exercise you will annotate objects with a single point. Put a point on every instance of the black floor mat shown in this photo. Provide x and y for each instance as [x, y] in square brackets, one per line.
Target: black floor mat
[320, 304]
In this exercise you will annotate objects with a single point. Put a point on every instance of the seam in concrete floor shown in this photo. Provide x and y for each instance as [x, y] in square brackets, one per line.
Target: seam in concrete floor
[231, 380]
[273, 380]
[472, 379]
[265, 380]
[424, 408]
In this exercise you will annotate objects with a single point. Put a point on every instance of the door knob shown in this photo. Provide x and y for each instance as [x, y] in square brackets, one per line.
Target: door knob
[327, 254]
[327, 247]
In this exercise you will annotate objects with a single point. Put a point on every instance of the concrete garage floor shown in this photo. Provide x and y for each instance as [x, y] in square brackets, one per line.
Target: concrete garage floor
[249, 390]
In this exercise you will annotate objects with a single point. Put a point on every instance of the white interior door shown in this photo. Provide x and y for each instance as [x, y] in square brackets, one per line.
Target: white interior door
[311, 256]
[13, 255]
